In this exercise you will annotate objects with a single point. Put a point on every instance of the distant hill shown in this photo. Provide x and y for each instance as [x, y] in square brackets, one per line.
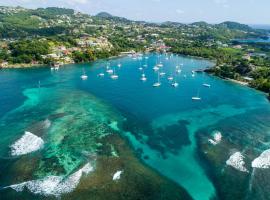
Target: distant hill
[108, 16]
[201, 23]
[235, 25]
[104, 15]
[169, 23]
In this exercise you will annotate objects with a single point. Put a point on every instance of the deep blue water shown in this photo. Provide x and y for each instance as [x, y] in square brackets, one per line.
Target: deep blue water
[160, 123]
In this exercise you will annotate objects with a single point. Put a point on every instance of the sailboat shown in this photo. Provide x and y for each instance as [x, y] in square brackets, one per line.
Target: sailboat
[143, 78]
[84, 76]
[178, 71]
[197, 98]
[206, 85]
[175, 84]
[155, 68]
[109, 70]
[193, 73]
[101, 74]
[160, 64]
[170, 78]
[114, 76]
[162, 73]
[157, 84]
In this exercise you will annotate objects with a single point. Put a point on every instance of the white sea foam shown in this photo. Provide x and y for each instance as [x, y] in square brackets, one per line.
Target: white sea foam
[263, 161]
[217, 137]
[54, 185]
[47, 123]
[26, 144]
[117, 175]
[236, 160]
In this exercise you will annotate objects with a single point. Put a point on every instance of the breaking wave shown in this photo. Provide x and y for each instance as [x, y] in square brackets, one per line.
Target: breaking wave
[263, 161]
[236, 160]
[26, 144]
[54, 185]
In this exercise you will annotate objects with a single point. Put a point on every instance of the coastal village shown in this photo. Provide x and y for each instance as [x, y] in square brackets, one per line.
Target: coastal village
[83, 38]
[103, 107]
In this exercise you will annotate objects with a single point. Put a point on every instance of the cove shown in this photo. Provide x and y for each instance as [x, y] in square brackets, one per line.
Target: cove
[161, 124]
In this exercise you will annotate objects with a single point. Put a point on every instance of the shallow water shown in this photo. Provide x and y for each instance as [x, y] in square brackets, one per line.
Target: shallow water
[161, 124]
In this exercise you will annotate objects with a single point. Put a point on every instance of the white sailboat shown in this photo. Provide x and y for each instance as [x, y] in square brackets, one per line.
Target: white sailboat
[143, 78]
[108, 69]
[101, 74]
[162, 73]
[175, 84]
[160, 64]
[178, 71]
[114, 76]
[170, 78]
[84, 76]
[206, 85]
[155, 68]
[157, 84]
[197, 98]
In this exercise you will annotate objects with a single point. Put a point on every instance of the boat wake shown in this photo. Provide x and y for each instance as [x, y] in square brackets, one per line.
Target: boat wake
[53, 185]
[26, 144]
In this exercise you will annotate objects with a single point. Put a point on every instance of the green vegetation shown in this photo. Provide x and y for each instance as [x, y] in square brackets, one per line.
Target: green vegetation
[47, 35]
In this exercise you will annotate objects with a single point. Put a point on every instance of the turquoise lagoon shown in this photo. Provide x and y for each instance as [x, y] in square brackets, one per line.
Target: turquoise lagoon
[168, 131]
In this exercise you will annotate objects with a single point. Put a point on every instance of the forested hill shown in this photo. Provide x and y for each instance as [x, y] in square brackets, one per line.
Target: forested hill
[21, 22]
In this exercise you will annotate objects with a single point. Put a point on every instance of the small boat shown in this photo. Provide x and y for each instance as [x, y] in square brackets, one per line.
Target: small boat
[193, 75]
[146, 57]
[178, 71]
[109, 71]
[114, 76]
[84, 76]
[155, 68]
[143, 78]
[162, 73]
[170, 78]
[185, 76]
[206, 85]
[145, 65]
[140, 68]
[197, 98]
[119, 65]
[101, 74]
[160, 65]
[157, 84]
[175, 84]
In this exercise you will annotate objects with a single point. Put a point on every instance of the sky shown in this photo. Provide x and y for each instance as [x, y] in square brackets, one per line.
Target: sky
[186, 11]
